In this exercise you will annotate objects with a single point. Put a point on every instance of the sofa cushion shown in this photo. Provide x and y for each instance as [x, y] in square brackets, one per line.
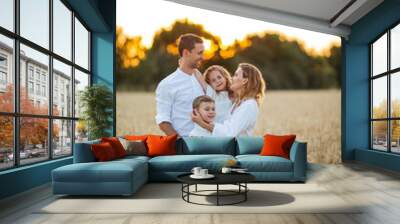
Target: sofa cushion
[134, 147]
[206, 145]
[103, 151]
[116, 145]
[275, 145]
[83, 152]
[185, 163]
[257, 163]
[159, 145]
[249, 145]
[111, 171]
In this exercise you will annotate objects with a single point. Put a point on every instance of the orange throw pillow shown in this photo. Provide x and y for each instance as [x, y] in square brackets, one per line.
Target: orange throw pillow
[103, 151]
[161, 145]
[136, 137]
[275, 145]
[116, 145]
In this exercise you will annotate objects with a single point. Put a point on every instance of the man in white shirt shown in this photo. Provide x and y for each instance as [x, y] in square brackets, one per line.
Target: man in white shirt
[176, 92]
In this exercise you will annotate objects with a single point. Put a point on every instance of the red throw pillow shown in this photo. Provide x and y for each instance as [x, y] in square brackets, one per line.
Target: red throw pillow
[116, 145]
[161, 145]
[275, 145]
[103, 151]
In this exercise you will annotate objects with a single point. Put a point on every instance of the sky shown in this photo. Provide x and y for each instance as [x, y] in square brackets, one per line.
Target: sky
[145, 17]
[35, 27]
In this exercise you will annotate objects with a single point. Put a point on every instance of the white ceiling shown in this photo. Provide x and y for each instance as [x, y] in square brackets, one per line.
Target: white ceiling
[316, 15]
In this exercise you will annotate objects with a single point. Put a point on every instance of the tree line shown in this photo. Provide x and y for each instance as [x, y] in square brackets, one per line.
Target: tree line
[285, 64]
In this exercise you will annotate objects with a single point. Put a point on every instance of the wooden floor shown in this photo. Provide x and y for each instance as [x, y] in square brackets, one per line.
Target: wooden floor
[377, 188]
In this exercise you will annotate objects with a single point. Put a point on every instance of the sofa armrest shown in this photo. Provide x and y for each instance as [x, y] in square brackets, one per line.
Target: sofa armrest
[83, 152]
[298, 155]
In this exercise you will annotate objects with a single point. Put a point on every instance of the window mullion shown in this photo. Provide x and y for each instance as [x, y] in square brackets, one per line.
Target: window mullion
[16, 85]
[371, 96]
[389, 112]
[73, 83]
[50, 81]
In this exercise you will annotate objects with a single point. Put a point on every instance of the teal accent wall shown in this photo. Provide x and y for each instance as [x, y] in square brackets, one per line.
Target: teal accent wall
[103, 54]
[24, 178]
[355, 87]
[100, 17]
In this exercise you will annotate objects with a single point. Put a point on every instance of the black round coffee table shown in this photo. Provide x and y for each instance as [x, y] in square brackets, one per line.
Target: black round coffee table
[238, 179]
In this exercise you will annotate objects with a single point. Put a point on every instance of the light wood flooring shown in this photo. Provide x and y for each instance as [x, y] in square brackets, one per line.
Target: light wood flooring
[377, 188]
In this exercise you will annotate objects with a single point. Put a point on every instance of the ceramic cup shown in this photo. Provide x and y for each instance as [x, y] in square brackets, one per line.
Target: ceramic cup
[203, 172]
[196, 171]
[226, 170]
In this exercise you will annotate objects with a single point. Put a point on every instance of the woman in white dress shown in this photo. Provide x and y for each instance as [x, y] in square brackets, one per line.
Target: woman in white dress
[248, 87]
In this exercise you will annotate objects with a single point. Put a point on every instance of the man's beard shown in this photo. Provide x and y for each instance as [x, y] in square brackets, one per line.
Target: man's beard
[196, 64]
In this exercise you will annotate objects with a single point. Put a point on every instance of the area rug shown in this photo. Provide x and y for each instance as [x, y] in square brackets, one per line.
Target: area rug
[166, 198]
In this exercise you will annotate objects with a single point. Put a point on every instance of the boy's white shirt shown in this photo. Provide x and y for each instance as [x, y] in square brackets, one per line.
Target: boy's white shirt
[199, 131]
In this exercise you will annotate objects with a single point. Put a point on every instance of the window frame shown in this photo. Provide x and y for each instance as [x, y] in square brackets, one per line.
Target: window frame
[16, 114]
[388, 74]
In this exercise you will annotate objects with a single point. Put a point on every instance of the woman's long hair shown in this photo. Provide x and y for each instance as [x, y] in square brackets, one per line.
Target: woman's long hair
[255, 86]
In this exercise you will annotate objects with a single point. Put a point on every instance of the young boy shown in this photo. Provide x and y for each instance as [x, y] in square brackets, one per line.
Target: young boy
[205, 106]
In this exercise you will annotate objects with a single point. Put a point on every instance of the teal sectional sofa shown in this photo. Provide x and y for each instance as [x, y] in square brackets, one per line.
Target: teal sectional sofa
[125, 176]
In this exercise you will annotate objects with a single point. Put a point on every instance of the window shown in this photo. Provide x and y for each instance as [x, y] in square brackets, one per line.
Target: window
[81, 45]
[30, 87]
[37, 75]
[62, 29]
[81, 81]
[30, 72]
[3, 72]
[7, 14]
[47, 76]
[385, 91]
[3, 61]
[3, 78]
[44, 91]
[6, 74]
[34, 21]
[62, 74]
[62, 137]
[7, 142]
[37, 89]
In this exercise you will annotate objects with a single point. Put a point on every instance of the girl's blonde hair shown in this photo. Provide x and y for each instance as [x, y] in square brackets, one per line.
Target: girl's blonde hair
[255, 86]
[223, 72]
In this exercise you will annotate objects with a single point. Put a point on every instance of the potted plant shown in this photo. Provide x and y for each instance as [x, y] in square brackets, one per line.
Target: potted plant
[96, 102]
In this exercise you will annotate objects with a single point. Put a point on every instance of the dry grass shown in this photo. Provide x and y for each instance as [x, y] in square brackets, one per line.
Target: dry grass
[314, 116]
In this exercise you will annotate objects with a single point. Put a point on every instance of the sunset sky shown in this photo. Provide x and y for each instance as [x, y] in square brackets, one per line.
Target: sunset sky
[143, 18]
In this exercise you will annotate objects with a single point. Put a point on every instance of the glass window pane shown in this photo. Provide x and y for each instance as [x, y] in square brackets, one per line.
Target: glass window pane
[34, 97]
[62, 29]
[62, 138]
[379, 55]
[379, 135]
[33, 140]
[6, 74]
[379, 98]
[81, 45]
[81, 131]
[35, 21]
[395, 94]
[395, 138]
[395, 47]
[81, 81]
[6, 142]
[7, 14]
[62, 89]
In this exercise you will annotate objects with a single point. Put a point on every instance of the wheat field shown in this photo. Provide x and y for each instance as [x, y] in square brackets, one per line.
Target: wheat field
[313, 115]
